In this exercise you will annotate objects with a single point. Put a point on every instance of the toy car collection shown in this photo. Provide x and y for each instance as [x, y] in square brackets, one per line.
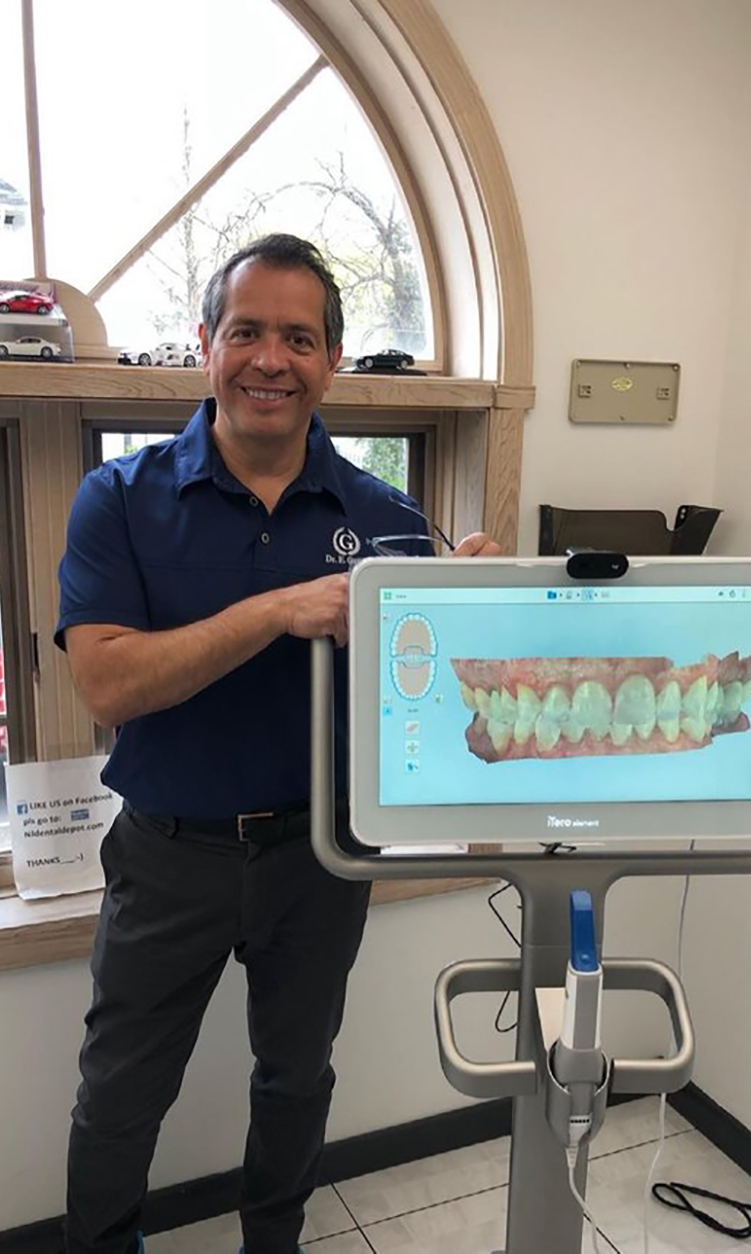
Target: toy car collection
[166, 354]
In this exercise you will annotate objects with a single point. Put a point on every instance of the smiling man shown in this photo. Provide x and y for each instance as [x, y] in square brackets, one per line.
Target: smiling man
[196, 573]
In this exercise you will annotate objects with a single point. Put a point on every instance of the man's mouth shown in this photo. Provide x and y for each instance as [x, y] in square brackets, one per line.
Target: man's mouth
[268, 394]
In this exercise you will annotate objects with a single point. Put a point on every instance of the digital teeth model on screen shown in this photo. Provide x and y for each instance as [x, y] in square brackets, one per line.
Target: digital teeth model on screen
[543, 707]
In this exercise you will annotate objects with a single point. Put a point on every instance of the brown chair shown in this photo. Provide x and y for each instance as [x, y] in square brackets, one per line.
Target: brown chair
[635, 532]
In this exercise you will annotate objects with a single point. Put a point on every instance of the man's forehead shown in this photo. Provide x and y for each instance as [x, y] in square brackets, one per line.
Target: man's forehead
[255, 282]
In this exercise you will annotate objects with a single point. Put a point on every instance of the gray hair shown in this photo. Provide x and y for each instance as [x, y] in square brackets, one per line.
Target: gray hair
[286, 252]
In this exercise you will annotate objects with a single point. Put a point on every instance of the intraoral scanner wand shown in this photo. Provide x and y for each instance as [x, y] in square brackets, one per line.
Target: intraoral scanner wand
[577, 1060]
[577, 1063]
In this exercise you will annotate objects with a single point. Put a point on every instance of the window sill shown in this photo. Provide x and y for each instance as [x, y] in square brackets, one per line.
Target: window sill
[58, 929]
[83, 381]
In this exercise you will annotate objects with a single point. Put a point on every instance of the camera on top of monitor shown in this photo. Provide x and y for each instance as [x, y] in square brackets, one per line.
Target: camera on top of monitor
[591, 564]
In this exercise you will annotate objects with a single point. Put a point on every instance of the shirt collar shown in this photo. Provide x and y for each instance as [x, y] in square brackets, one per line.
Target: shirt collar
[198, 458]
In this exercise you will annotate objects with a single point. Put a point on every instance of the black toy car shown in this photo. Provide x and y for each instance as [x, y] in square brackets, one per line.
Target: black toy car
[390, 361]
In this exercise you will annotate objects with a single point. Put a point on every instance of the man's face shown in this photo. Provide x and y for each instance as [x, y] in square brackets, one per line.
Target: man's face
[268, 362]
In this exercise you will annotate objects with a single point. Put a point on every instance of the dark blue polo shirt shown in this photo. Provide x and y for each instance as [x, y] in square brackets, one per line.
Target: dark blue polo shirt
[167, 536]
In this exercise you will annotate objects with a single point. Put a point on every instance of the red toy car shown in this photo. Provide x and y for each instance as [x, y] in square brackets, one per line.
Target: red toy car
[24, 302]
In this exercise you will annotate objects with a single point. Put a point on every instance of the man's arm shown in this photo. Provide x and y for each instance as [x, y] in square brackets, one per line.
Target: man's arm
[121, 673]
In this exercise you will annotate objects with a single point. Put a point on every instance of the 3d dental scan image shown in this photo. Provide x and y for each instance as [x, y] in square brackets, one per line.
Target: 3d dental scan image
[579, 706]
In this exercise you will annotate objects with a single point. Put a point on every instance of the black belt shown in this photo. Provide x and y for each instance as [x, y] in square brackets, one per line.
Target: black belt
[260, 828]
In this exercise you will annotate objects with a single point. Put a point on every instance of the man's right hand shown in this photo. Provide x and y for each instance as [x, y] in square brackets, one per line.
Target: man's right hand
[319, 608]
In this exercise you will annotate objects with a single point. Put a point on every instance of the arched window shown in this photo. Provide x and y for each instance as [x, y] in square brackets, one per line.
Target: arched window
[192, 139]
[168, 140]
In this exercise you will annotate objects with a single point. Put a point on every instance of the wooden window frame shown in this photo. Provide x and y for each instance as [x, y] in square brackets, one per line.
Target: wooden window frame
[18, 642]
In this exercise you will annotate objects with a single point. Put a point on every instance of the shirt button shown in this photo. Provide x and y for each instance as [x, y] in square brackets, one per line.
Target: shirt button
[265, 537]
[253, 500]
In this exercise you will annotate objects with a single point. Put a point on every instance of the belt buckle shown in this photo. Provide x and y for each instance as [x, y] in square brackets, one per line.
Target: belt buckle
[244, 836]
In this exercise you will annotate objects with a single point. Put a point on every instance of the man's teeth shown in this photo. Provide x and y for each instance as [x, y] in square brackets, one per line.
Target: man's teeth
[265, 394]
[636, 711]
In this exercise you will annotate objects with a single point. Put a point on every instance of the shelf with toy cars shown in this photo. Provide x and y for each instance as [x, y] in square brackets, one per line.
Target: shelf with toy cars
[33, 325]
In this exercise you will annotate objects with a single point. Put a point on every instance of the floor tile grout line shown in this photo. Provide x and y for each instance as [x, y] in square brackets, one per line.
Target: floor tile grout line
[343, 1232]
[348, 1209]
[493, 1188]
[459, 1197]
[624, 1149]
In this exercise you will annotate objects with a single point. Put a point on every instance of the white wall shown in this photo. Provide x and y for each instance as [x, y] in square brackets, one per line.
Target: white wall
[626, 128]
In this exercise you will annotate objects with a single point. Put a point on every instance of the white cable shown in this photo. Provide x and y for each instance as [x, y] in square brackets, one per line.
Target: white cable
[652, 1170]
[664, 1098]
[571, 1157]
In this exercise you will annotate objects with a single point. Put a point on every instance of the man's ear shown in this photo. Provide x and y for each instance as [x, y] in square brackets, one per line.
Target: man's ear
[205, 348]
[335, 356]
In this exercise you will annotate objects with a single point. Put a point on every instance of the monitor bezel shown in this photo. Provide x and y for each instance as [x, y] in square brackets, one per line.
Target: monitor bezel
[376, 825]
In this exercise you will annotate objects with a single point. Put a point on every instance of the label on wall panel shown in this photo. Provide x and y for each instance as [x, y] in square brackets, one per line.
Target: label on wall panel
[59, 813]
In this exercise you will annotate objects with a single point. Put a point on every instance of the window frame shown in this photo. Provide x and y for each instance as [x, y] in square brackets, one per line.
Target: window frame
[18, 643]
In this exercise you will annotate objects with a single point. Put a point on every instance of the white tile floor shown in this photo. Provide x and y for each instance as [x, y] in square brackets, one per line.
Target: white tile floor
[456, 1203]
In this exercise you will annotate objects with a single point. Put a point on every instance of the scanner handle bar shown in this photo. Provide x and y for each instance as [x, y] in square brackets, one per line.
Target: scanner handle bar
[479, 1079]
[520, 1077]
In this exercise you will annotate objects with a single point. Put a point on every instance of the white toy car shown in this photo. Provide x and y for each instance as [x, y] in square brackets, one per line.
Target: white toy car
[131, 357]
[29, 346]
[170, 354]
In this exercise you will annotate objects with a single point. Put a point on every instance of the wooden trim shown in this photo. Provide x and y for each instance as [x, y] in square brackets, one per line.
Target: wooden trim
[507, 396]
[78, 381]
[32, 141]
[14, 602]
[6, 872]
[447, 72]
[34, 933]
[52, 463]
[58, 929]
[503, 477]
[212, 176]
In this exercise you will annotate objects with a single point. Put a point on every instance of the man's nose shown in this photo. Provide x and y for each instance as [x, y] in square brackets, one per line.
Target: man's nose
[271, 355]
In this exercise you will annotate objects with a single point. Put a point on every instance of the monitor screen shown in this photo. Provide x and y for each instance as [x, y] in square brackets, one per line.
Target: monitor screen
[524, 704]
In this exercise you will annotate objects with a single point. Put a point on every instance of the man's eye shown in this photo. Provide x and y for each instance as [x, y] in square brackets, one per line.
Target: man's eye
[302, 341]
[243, 333]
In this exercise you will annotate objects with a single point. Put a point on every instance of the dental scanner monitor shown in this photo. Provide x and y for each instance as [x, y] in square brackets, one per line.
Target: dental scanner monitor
[500, 700]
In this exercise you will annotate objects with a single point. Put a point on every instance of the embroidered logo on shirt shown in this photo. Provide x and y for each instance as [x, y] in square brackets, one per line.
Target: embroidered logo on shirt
[346, 545]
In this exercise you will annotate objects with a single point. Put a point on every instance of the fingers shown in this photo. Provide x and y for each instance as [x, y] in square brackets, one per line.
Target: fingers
[478, 544]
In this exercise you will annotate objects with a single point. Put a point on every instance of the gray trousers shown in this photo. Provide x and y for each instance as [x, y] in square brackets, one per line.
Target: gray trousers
[176, 905]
